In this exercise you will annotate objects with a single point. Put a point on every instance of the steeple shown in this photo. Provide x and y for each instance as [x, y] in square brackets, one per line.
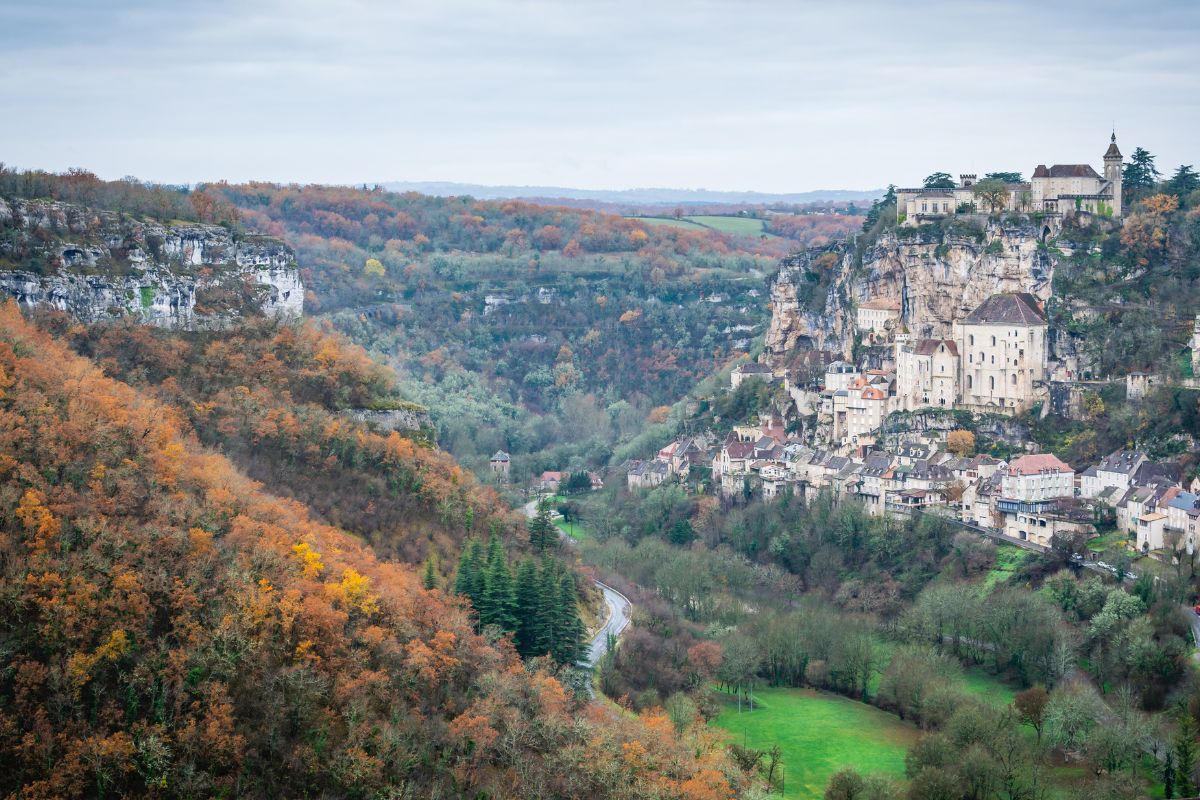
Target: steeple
[1112, 151]
[1113, 172]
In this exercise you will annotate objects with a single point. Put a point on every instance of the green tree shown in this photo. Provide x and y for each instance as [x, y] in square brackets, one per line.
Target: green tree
[681, 533]
[991, 192]
[939, 180]
[498, 603]
[1185, 756]
[567, 648]
[542, 532]
[468, 582]
[1185, 181]
[526, 607]
[1004, 177]
[429, 578]
[1140, 173]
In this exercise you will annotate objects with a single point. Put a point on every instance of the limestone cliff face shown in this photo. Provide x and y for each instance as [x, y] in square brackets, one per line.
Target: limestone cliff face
[98, 265]
[937, 282]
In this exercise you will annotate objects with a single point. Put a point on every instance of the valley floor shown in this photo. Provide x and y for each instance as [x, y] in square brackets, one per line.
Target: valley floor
[819, 734]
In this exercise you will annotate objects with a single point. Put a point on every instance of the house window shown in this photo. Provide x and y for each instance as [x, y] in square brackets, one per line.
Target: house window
[1014, 379]
[969, 382]
[992, 381]
[972, 338]
[993, 341]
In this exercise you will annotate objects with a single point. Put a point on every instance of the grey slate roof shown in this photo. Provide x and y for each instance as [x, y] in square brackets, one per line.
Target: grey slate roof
[1011, 308]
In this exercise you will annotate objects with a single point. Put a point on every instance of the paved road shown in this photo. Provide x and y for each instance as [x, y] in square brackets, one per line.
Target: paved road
[1194, 619]
[620, 610]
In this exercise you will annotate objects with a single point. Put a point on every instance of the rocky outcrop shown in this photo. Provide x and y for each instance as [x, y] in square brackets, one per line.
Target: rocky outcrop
[936, 278]
[408, 417]
[98, 265]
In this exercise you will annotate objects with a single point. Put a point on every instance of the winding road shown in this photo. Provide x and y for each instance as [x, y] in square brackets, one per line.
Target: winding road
[1194, 621]
[620, 610]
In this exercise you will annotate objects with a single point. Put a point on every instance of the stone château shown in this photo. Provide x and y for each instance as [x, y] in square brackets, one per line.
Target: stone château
[1059, 190]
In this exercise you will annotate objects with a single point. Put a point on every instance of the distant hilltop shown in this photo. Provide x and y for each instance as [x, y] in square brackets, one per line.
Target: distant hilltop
[627, 196]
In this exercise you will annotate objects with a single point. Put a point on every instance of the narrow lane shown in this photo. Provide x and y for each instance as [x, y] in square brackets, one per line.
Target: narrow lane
[620, 610]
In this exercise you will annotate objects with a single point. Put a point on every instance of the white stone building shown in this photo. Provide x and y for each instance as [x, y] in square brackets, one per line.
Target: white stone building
[926, 373]
[1003, 353]
[1061, 189]
[874, 316]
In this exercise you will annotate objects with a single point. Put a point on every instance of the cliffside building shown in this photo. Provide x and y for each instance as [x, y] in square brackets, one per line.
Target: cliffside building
[1003, 353]
[927, 372]
[1061, 189]
[874, 316]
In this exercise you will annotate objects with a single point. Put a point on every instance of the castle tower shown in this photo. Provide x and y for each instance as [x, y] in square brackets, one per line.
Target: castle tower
[1113, 170]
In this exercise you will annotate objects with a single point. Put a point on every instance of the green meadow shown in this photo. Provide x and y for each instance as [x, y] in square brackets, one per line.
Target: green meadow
[819, 734]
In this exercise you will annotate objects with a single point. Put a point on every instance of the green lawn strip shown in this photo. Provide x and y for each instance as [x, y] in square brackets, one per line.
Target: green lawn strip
[670, 222]
[1009, 559]
[573, 529]
[818, 734]
[1113, 540]
[739, 226]
[988, 687]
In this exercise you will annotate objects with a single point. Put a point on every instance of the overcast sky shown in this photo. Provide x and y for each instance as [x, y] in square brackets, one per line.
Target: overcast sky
[769, 96]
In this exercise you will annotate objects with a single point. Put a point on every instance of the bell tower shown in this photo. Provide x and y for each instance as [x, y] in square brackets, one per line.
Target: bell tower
[1113, 170]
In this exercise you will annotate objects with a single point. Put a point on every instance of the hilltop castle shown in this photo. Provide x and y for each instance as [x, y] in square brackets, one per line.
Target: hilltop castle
[1060, 190]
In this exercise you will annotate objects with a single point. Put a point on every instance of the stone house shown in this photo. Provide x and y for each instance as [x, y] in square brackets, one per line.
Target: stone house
[754, 369]
[1003, 353]
[926, 373]
[500, 463]
[877, 316]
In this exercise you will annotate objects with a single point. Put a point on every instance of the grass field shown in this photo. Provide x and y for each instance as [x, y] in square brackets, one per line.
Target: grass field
[988, 687]
[1113, 540]
[819, 734]
[670, 222]
[1009, 559]
[573, 529]
[739, 226]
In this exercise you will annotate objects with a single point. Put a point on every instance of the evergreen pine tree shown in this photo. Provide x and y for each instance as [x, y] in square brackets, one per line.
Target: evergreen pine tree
[498, 603]
[1140, 174]
[544, 631]
[568, 640]
[526, 594]
[1168, 776]
[542, 533]
[1183, 182]
[1185, 756]
[429, 579]
[469, 580]
[681, 533]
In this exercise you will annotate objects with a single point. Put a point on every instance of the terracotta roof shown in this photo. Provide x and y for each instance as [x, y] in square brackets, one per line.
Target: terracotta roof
[927, 347]
[881, 304]
[1032, 465]
[1041, 171]
[871, 393]
[1011, 308]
